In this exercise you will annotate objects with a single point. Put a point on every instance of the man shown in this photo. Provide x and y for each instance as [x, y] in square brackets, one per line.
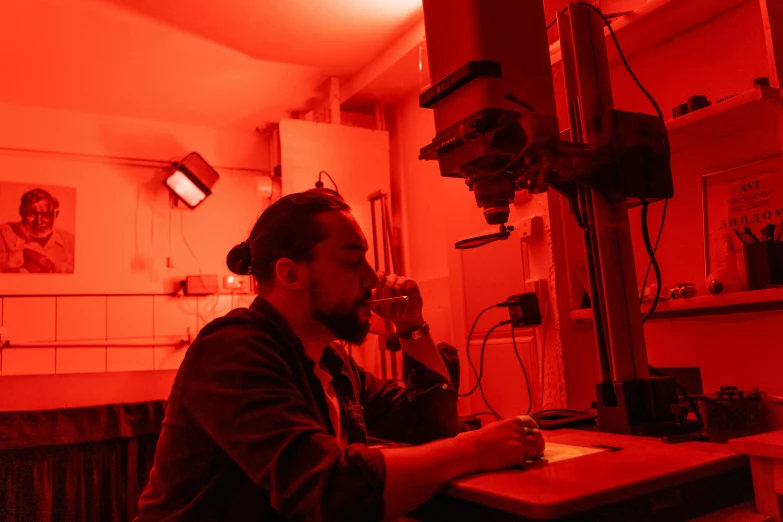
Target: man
[268, 417]
[33, 245]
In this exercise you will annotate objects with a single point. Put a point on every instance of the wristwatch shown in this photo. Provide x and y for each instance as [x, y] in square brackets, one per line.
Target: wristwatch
[423, 330]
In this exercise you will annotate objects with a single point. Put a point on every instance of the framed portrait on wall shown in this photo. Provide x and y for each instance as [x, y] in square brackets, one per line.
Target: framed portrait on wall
[37, 228]
[737, 201]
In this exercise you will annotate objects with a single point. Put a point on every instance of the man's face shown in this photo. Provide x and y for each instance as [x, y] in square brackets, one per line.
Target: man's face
[341, 279]
[38, 219]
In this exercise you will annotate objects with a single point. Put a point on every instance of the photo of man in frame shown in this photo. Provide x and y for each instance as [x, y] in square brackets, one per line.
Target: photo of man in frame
[36, 242]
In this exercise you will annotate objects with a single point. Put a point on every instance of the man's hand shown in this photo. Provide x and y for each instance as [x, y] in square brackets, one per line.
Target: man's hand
[506, 443]
[405, 315]
[36, 262]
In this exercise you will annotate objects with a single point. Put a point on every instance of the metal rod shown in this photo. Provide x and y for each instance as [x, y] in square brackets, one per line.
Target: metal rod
[120, 160]
[382, 342]
[384, 225]
[16, 296]
[591, 255]
[387, 231]
[177, 344]
[388, 265]
[374, 235]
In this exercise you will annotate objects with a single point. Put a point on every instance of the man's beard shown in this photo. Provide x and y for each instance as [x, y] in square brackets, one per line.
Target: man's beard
[343, 321]
[37, 232]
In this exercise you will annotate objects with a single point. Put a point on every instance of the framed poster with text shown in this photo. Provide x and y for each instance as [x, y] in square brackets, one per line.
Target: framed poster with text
[749, 196]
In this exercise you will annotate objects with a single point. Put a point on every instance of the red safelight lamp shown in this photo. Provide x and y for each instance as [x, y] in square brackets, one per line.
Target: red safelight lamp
[191, 180]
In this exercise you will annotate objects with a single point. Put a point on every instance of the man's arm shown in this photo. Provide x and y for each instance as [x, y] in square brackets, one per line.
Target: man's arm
[423, 410]
[416, 473]
[426, 408]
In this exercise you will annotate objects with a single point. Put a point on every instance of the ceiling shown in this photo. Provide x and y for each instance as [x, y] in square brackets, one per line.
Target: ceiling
[337, 37]
[235, 63]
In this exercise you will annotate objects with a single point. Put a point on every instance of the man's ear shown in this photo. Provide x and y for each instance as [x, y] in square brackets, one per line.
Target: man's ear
[290, 274]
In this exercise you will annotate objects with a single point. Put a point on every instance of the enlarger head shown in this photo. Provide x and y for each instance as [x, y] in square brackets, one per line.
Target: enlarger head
[493, 101]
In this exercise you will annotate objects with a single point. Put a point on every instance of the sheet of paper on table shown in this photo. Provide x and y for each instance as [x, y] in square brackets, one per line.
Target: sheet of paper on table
[559, 452]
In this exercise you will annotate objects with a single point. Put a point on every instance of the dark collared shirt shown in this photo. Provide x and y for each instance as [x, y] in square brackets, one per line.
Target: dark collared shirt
[247, 434]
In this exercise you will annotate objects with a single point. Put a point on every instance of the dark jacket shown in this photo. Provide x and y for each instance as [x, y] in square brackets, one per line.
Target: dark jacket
[247, 434]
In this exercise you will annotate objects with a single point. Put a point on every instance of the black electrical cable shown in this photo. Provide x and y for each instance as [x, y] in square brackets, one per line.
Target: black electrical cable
[467, 350]
[648, 246]
[480, 373]
[645, 228]
[330, 179]
[481, 364]
[659, 373]
[481, 369]
[655, 249]
[685, 396]
[622, 57]
[489, 406]
[479, 414]
[524, 371]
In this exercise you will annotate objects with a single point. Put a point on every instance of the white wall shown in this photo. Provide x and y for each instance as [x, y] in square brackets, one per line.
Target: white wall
[358, 160]
[125, 231]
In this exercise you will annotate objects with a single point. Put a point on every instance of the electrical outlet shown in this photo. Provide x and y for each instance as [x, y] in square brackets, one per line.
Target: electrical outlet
[531, 227]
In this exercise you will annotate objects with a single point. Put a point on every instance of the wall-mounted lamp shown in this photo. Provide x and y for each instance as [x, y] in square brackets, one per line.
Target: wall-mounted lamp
[192, 179]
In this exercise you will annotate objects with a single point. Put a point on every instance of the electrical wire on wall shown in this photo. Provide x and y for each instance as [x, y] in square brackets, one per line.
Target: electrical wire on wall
[524, 371]
[479, 375]
[651, 251]
[212, 309]
[467, 350]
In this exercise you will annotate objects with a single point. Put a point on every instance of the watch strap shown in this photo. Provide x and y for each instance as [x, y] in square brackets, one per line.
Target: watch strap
[423, 330]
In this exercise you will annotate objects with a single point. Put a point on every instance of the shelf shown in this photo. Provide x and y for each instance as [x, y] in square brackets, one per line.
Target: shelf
[754, 107]
[733, 303]
[654, 23]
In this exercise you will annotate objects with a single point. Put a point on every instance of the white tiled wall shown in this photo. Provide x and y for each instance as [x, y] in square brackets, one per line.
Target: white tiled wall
[130, 319]
[81, 319]
[157, 324]
[29, 319]
[173, 320]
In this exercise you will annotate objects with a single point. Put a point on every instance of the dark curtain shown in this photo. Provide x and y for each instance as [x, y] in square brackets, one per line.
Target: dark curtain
[81, 464]
[78, 482]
